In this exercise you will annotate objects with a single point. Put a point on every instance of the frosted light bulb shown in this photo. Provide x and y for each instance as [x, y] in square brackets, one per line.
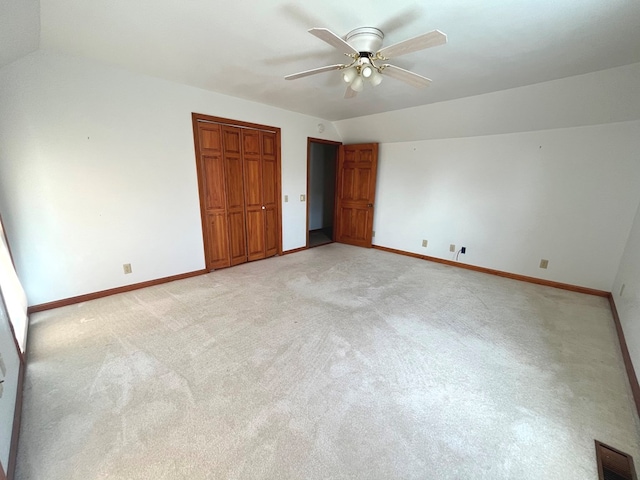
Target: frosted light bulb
[357, 85]
[375, 79]
[349, 75]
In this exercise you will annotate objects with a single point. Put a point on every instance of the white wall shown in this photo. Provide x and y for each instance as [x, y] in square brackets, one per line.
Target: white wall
[543, 171]
[97, 169]
[628, 300]
[566, 195]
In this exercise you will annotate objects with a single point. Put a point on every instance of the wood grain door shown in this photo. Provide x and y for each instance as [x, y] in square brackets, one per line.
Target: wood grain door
[238, 167]
[232, 142]
[270, 195]
[355, 196]
[213, 195]
[253, 194]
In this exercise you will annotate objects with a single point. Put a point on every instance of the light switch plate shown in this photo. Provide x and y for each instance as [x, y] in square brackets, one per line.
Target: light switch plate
[302, 198]
[286, 198]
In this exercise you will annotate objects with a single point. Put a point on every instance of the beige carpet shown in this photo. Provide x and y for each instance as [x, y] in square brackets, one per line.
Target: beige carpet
[332, 363]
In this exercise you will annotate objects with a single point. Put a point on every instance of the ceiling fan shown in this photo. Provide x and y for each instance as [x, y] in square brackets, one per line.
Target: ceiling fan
[362, 45]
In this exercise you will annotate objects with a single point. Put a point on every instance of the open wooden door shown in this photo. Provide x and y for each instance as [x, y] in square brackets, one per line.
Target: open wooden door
[355, 195]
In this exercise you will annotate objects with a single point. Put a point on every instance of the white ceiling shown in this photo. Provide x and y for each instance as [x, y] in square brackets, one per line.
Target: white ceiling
[245, 48]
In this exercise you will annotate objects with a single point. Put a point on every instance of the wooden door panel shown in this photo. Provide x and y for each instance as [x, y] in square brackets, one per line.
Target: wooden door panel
[269, 145]
[354, 224]
[218, 246]
[210, 137]
[357, 169]
[251, 142]
[270, 195]
[232, 145]
[269, 172]
[235, 183]
[231, 137]
[363, 184]
[360, 225]
[271, 231]
[253, 181]
[213, 167]
[213, 196]
[235, 208]
[255, 234]
[253, 195]
[347, 183]
[237, 239]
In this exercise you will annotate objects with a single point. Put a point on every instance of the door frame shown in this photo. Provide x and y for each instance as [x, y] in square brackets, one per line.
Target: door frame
[311, 140]
[199, 117]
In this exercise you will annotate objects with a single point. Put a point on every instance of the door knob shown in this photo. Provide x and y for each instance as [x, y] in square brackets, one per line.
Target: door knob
[370, 205]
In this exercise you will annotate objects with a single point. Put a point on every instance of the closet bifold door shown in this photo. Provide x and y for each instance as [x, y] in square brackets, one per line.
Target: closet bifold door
[253, 192]
[270, 194]
[232, 140]
[213, 197]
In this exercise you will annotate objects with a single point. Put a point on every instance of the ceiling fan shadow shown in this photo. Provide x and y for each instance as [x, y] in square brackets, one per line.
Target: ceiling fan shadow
[297, 57]
[401, 19]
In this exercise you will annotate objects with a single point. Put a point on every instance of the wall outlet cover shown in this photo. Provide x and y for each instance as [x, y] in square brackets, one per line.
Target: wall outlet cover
[424, 243]
[544, 263]
[452, 248]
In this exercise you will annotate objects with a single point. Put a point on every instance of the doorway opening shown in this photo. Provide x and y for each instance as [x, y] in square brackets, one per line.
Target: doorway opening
[322, 160]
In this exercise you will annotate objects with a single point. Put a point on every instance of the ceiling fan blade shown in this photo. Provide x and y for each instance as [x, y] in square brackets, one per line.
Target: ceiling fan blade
[426, 40]
[350, 92]
[332, 39]
[411, 78]
[306, 73]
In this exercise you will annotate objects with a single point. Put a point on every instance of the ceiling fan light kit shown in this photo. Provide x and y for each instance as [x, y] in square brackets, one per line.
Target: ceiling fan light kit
[360, 45]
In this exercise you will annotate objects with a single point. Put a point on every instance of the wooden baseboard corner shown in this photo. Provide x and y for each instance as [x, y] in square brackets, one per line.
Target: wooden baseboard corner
[112, 291]
[17, 415]
[500, 273]
[626, 357]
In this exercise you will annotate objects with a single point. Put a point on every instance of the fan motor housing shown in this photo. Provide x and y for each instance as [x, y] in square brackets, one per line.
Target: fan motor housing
[365, 39]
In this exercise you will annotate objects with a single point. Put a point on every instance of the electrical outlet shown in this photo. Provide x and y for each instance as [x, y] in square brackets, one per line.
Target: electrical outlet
[452, 248]
[302, 197]
[463, 250]
[286, 198]
[127, 268]
[424, 243]
[544, 263]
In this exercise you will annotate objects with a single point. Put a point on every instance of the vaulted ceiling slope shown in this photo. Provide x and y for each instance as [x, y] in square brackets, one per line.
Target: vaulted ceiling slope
[245, 48]
[19, 29]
